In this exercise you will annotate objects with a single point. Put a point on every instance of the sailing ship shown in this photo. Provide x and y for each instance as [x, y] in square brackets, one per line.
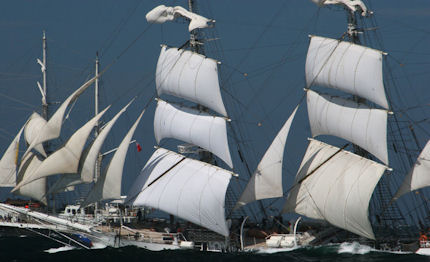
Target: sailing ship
[77, 161]
[332, 184]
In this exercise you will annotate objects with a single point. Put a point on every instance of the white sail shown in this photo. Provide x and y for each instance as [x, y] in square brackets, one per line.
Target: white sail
[353, 5]
[52, 128]
[32, 130]
[66, 159]
[419, 176]
[266, 182]
[191, 76]
[36, 189]
[88, 165]
[346, 119]
[189, 125]
[186, 188]
[335, 185]
[109, 184]
[162, 14]
[346, 66]
[8, 163]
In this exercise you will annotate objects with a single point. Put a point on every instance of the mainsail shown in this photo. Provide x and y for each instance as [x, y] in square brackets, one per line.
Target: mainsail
[335, 185]
[187, 188]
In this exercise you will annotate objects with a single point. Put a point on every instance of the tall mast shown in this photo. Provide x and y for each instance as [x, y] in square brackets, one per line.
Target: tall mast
[96, 93]
[45, 112]
[97, 127]
[391, 213]
[195, 45]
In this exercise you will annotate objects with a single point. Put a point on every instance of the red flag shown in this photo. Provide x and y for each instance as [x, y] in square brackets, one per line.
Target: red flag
[139, 148]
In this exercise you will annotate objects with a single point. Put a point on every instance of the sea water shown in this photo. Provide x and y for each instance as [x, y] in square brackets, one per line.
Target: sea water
[33, 248]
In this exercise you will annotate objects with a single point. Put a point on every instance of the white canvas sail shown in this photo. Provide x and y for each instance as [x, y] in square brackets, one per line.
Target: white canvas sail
[191, 76]
[189, 125]
[32, 130]
[36, 189]
[419, 176]
[88, 165]
[109, 184]
[162, 14]
[357, 123]
[352, 68]
[186, 188]
[266, 182]
[66, 159]
[52, 128]
[335, 185]
[9, 162]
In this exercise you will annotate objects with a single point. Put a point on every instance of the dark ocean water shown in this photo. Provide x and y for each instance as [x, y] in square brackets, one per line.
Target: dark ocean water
[41, 249]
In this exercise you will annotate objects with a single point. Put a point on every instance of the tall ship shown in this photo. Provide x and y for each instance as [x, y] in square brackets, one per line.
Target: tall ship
[351, 182]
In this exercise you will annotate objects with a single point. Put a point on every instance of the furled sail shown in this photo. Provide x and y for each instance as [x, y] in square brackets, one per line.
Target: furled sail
[192, 126]
[9, 162]
[109, 184]
[88, 164]
[191, 76]
[352, 68]
[32, 130]
[418, 177]
[187, 188]
[266, 182]
[52, 128]
[66, 159]
[335, 185]
[36, 189]
[162, 14]
[357, 123]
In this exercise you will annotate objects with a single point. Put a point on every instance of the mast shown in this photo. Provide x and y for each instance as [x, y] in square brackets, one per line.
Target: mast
[44, 68]
[97, 166]
[391, 212]
[45, 105]
[194, 44]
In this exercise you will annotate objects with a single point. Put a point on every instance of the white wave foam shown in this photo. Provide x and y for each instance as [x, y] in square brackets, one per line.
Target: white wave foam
[354, 248]
[98, 245]
[274, 250]
[60, 249]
